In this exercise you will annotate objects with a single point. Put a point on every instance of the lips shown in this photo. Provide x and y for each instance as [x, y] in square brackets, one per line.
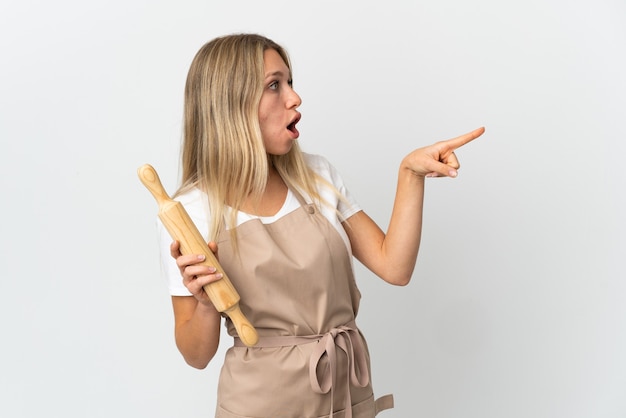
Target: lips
[292, 126]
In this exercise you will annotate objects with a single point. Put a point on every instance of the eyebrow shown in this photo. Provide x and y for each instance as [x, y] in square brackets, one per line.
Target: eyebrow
[275, 73]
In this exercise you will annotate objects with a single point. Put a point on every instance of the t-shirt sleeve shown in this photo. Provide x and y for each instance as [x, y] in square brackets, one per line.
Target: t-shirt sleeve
[347, 206]
[169, 269]
[198, 212]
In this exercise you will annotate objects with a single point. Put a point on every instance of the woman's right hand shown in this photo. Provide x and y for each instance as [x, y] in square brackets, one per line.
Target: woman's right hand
[196, 275]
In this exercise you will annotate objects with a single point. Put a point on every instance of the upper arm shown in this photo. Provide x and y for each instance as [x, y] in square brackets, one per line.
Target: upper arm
[197, 330]
[184, 307]
[366, 239]
[370, 246]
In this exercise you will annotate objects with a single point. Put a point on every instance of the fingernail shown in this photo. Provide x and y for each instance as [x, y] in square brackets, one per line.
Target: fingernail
[452, 173]
[219, 275]
[201, 257]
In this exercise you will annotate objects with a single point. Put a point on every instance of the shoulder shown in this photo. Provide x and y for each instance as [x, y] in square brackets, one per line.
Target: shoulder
[190, 197]
[315, 161]
[322, 167]
[332, 189]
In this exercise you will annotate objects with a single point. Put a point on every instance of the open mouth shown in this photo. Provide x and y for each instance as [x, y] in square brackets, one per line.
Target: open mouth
[292, 125]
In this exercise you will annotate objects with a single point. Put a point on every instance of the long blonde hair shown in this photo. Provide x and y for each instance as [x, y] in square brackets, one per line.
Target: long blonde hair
[223, 153]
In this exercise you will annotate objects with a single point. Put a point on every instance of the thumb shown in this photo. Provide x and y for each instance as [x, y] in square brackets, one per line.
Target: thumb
[213, 247]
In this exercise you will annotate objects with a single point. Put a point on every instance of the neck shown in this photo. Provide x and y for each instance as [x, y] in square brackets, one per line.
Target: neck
[272, 198]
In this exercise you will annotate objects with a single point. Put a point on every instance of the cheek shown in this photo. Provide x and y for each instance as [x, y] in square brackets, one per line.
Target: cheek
[265, 106]
[264, 116]
[267, 121]
[263, 123]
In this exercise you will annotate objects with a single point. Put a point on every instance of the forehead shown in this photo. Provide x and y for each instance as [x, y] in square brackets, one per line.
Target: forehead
[273, 63]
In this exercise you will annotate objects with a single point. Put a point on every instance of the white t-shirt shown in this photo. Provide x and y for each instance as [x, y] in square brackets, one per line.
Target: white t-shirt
[196, 205]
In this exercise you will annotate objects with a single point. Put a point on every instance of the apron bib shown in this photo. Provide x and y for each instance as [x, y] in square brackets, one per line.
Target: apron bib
[297, 289]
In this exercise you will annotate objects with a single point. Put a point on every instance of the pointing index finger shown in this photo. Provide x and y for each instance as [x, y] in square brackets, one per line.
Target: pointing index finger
[459, 141]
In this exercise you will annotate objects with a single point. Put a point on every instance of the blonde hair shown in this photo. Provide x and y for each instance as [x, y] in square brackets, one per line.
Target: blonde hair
[223, 152]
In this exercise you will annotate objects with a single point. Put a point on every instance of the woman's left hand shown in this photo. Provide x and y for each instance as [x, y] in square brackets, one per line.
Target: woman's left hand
[438, 159]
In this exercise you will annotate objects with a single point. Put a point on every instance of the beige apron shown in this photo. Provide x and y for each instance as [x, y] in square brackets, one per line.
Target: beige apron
[297, 288]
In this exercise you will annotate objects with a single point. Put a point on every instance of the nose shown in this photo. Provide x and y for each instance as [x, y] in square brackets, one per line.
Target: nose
[294, 100]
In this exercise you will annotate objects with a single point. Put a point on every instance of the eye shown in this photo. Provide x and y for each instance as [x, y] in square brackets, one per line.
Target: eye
[273, 85]
[290, 82]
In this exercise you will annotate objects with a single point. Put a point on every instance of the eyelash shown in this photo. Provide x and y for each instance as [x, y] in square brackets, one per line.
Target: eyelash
[274, 84]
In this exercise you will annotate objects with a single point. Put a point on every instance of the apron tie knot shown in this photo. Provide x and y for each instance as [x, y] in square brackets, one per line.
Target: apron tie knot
[348, 339]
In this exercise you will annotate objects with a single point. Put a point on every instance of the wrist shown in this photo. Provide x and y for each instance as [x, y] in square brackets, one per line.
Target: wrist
[407, 172]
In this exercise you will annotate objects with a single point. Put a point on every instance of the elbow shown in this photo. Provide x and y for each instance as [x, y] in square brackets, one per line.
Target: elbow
[401, 281]
[198, 362]
[398, 279]
[396, 273]
[198, 359]
[401, 276]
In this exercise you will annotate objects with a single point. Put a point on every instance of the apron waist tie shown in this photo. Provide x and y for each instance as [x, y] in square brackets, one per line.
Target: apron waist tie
[348, 339]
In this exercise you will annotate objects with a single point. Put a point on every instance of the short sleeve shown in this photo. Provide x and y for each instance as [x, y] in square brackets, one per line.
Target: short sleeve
[196, 205]
[169, 269]
[347, 206]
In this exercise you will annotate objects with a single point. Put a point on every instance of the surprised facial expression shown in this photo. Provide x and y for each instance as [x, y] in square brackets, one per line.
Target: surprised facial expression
[277, 110]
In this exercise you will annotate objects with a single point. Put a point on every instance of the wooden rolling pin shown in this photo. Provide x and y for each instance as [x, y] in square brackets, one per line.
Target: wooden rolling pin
[182, 229]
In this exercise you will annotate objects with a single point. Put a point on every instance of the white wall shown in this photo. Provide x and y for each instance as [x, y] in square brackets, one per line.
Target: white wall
[516, 307]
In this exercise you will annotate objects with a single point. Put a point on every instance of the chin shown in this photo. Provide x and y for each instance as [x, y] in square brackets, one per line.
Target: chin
[279, 152]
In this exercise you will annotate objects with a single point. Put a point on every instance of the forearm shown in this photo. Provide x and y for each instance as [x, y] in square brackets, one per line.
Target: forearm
[391, 256]
[197, 331]
[401, 243]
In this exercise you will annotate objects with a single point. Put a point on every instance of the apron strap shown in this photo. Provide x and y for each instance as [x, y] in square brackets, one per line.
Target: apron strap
[383, 403]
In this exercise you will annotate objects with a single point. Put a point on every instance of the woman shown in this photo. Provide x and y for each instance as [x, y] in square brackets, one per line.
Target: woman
[287, 229]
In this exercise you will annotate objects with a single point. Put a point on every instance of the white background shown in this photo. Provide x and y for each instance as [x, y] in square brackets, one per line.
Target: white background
[516, 308]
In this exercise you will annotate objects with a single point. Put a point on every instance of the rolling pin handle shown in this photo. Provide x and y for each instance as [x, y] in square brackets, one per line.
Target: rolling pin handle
[150, 179]
[246, 332]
